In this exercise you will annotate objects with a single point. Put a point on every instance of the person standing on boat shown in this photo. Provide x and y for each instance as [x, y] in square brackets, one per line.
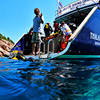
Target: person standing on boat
[66, 30]
[37, 30]
[55, 26]
[48, 29]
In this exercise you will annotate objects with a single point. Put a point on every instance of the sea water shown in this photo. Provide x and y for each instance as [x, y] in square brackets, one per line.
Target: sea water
[49, 79]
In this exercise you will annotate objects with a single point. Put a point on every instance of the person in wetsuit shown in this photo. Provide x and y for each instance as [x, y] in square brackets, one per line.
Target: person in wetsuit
[47, 29]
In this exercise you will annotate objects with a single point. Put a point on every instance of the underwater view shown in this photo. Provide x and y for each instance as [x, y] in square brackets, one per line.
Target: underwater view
[49, 79]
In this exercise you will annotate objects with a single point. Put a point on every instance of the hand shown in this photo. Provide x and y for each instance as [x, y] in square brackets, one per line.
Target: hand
[42, 21]
[63, 37]
[41, 15]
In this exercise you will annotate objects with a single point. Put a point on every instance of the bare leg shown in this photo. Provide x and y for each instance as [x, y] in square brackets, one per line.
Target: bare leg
[33, 48]
[38, 48]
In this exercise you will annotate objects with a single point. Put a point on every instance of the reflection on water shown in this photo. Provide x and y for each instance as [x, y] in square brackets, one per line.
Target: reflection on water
[49, 80]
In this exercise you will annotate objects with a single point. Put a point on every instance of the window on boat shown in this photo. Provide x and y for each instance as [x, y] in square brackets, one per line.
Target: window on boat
[75, 19]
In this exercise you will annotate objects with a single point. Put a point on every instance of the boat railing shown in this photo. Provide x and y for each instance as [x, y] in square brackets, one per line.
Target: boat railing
[40, 48]
[48, 51]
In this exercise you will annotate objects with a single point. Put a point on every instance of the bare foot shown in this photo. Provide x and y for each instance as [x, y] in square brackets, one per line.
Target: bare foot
[32, 53]
[37, 52]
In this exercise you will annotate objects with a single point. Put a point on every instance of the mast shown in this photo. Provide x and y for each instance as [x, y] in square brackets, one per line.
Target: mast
[57, 4]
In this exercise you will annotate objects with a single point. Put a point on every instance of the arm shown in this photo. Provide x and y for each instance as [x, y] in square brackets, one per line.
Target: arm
[42, 21]
[63, 36]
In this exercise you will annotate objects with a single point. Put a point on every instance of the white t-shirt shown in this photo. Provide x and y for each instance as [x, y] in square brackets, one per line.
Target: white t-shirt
[37, 24]
[66, 30]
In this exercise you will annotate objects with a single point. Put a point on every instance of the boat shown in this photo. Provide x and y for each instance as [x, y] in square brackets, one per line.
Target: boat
[83, 43]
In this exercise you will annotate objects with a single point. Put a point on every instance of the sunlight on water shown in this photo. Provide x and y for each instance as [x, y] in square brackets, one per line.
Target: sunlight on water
[49, 80]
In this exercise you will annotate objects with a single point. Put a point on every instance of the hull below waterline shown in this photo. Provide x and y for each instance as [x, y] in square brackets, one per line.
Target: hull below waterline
[63, 57]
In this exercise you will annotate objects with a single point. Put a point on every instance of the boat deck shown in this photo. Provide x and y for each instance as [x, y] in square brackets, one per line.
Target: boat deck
[36, 56]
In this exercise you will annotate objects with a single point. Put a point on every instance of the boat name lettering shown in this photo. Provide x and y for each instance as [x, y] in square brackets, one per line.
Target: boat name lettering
[69, 6]
[97, 43]
[85, 0]
[94, 36]
[77, 5]
[74, 5]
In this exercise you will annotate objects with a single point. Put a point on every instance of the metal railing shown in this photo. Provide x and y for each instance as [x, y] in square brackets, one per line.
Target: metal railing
[40, 48]
[51, 40]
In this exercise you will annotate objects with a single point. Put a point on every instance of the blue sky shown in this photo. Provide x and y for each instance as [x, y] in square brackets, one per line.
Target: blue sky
[16, 16]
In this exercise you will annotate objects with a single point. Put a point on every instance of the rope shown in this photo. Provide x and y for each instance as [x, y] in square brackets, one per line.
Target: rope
[96, 4]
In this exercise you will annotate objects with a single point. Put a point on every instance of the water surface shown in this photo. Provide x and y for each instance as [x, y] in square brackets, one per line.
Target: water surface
[49, 79]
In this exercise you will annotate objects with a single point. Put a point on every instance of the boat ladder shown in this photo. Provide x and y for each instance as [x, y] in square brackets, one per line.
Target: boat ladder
[40, 49]
[48, 51]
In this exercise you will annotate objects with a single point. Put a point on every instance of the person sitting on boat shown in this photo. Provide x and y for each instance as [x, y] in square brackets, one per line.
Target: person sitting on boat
[76, 23]
[48, 29]
[71, 25]
[37, 30]
[55, 26]
[66, 30]
[28, 38]
[31, 30]
[82, 17]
